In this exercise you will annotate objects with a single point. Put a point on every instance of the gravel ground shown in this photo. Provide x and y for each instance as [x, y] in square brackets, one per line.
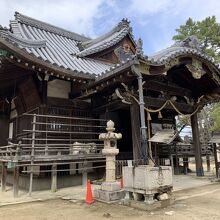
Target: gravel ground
[202, 203]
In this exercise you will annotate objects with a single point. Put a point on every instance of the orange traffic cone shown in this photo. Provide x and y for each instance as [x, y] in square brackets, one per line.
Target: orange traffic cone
[89, 197]
[122, 183]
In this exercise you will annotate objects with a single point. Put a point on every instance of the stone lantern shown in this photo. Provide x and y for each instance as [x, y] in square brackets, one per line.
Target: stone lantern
[110, 150]
[110, 189]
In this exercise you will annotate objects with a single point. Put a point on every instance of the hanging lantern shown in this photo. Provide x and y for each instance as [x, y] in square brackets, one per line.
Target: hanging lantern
[160, 115]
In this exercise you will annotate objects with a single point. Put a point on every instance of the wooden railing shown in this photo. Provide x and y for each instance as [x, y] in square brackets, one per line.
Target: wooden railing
[51, 136]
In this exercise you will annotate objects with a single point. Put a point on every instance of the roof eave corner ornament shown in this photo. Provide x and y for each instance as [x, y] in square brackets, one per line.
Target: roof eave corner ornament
[81, 46]
[124, 23]
[192, 42]
[3, 28]
[16, 14]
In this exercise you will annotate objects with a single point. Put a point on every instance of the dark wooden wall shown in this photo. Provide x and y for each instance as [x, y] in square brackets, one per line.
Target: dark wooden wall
[4, 129]
[28, 96]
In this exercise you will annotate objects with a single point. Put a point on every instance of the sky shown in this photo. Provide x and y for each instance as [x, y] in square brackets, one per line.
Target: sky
[154, 21]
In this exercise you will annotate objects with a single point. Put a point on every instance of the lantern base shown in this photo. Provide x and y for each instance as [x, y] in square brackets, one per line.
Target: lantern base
[108, 196]
[110, 192]
[111, 186]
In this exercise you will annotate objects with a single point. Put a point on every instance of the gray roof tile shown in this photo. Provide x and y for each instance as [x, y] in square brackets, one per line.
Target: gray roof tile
[48, 27]
[51, 44]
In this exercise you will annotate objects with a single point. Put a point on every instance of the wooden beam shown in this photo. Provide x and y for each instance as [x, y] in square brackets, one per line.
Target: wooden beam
[112, 106]
[197, 145]
[159, 86]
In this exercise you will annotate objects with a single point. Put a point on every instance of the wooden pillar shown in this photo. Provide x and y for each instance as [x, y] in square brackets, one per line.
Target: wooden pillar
[216, 161]
[172, 163]
[196, 145]
[135, 130]
[185, 165]
[3, 176]
[44, 91]
[16, 181]
[32, 154]
[150, 155]
[208, 163]
[177, 165]
[54, 178]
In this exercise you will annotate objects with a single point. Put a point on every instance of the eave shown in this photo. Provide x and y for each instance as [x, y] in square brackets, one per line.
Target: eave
[17, 55]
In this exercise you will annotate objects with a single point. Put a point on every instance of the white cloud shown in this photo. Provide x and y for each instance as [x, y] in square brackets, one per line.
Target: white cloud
[194, 8]
[157, 20]
[153, 20]
[197, 9]
[75, 15]
[147, 7]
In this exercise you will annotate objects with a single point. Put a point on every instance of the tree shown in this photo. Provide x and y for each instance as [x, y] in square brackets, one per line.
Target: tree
[215, 116]
[207, 31]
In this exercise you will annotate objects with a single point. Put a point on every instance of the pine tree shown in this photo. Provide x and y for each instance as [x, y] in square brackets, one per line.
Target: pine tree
[207, 31]
[215, 116]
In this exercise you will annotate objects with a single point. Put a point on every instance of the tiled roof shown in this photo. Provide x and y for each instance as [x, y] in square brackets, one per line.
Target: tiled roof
[107, 40]
[51, 44]
[61, 48]
[190, 46]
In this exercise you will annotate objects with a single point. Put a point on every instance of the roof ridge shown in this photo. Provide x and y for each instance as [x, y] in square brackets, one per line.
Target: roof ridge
[124, 23]
[49, 27]
[108, 39]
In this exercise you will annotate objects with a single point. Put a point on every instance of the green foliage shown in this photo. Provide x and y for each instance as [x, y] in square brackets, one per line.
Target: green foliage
[207, 31]
[182, 121]
[215, 117]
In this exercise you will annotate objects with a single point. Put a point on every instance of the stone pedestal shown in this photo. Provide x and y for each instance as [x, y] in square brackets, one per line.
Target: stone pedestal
[108, 196]
[110, 189]
[147, 184]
